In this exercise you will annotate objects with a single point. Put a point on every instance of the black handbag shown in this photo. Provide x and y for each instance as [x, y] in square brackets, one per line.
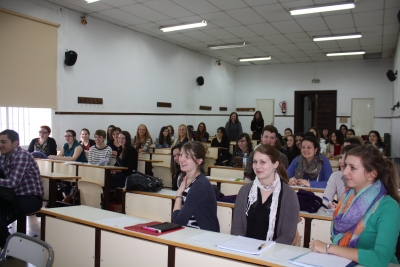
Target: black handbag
[309, 201]
[143, 182]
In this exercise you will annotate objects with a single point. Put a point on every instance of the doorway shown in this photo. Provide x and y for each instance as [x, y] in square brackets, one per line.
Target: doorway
[362, 115]
[315, 108]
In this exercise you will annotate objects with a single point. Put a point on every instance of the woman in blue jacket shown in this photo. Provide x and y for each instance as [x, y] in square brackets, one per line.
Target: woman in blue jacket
[309, 169]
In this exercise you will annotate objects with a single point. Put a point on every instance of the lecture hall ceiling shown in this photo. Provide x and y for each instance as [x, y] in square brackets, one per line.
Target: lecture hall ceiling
[266, 25]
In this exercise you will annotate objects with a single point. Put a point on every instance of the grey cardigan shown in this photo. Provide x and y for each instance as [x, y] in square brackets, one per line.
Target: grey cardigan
[288, 216]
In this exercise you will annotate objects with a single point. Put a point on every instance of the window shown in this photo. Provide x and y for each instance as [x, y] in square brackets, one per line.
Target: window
[25, 121]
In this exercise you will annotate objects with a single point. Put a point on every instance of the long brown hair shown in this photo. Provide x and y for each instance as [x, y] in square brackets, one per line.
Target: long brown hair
[146, 136]
[197, 151]
[162, 139]
[128, 143]
[273, 155]
[386, 171]
[200, 135]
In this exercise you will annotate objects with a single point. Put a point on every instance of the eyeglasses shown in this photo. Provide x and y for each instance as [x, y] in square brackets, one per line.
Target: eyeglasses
[241, 141]
[66, 136]
[41, 132]
[219, 132]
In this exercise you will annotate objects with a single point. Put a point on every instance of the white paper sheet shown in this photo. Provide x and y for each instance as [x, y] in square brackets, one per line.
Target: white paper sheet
[209, 239]
[322, 260]
[121, 222]
[283, 256]
[247, 245]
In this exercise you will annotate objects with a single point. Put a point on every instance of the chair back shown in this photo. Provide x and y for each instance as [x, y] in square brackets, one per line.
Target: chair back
[28, 249]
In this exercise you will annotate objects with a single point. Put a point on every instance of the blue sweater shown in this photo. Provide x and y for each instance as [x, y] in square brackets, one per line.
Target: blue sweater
[323, 177]
[200, 202]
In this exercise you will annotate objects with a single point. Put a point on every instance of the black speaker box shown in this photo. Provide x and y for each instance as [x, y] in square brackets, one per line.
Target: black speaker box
[391, 75]
[70, 58]
[200, 80]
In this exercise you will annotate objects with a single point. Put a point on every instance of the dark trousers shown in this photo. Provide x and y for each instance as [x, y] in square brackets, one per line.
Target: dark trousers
[28, 204]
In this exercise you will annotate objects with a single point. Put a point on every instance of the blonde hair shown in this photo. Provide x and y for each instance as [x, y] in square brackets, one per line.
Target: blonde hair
[147, 135]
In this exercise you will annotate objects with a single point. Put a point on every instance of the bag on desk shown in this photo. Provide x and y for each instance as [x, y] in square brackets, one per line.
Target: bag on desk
[309, 201]
[143, 182]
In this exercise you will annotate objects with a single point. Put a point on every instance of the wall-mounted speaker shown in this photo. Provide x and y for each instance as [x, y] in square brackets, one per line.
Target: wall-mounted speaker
[391, 75]
[200, 80]
[70, 58]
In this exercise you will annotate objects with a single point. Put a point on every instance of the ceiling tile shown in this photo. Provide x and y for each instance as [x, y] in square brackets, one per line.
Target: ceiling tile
[123, 16]
[105, 18]
[391, 29]
[220, 33]
[151, 27]
[145, 12]
[252, 50]
[263, 29]
[169, 22]
[241, 31]
[228, 5]
[288, 26]
[391, 15]
[200, 36]
[299, 37]
[260, 2]
[307, 46]
[319, 58]
[269, 48]
[372, 49]
[198, 6]
[339, 21]
[182, 38]
[313, 24]
[327, 45]
[199, 46]
[297, 4]
[303, 59]
[273, 12]
[168, 8]
[118, 3]
[314, 53]
[288, 47]
[370, 18]
[277, 39]
[288, 60]
[390, 40]
[368, 5]
[365, 41]
[94, 7]
[392, 3]
[245, 16]
[370, 31]
[349, 42]
[221, 19]
[296, 53]
[256, 41]
[141, 30]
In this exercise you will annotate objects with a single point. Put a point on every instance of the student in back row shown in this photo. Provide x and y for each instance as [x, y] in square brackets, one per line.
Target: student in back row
[44, 144]
[100, 153]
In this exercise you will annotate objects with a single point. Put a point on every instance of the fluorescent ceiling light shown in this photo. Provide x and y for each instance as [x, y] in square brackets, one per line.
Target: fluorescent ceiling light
[225, 46]
[184, 26]
[91, 1]
[337, 37]
[322, 8]
[345, 54]
[254, 59]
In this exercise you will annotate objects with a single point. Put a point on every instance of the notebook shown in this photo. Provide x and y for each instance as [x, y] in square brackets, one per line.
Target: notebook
[247, 245]
[314, 259]
[162, 227]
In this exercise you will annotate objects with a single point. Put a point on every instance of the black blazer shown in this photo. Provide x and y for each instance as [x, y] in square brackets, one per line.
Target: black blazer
[130, 160]
[51, 146]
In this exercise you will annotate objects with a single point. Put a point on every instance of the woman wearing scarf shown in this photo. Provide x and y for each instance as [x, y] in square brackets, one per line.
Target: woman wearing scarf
[365, 224]
[310, 169]
[267, 208]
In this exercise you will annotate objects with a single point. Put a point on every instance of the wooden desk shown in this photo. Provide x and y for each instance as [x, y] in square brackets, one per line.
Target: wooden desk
[96, 240]
[53, 178]
[148, 167]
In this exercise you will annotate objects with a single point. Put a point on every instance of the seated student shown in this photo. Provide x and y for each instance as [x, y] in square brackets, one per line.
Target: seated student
[343, 128]
[354, 140]
[335, 145]
[71, 150]
[171, 132]
[365, 224]
[109, 134]
[201, 133]
[195, 202]
[142, 140]
[20, 172]
[164, 138]
[257, 124]
[325, 135]
[309, 169]
[113, 143]
[267, 208]
[298, 138]
[374, 138]
[175, 167]
[337, 182]
[350, 133]
[100, 152]
[190, 132]
[86, 142]
[243, 146]
[222, 140]
[183, 135]
[127, 157]
[44, 143]
[314, 130]
[292, 149]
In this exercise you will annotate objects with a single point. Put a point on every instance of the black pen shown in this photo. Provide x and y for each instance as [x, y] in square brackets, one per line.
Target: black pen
[260, 247]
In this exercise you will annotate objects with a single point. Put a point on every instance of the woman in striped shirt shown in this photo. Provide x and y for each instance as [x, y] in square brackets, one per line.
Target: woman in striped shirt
[100, 153]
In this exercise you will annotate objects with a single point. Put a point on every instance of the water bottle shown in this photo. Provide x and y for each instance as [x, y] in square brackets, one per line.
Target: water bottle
[244, 160]
[157, 144]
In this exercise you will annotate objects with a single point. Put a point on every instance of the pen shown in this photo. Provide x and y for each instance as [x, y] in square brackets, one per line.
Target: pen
[327, 200]
[151, 229]
[260, 247]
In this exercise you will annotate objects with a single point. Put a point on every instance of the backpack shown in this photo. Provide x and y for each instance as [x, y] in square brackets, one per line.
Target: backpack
[308, 201]
[143, 182]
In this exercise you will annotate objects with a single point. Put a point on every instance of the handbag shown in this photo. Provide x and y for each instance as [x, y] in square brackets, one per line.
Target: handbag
[143, 182]
[309, 201]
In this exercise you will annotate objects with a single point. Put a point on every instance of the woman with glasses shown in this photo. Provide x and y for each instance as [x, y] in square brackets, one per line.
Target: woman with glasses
[222, 140]
[44, 143]
[243, 146]
[71, 150]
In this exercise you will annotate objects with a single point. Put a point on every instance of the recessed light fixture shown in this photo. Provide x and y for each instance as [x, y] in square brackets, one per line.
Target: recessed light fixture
[225, 46]
[91, 1]
[322, 8]
[254, 59]
[337, 37]
[183, 26]
[345, 53]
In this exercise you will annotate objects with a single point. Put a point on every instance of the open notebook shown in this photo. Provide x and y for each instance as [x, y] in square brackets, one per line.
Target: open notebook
[314, 259]
[247, 245]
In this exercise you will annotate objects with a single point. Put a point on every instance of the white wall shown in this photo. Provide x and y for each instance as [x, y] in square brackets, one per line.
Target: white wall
[351, 79]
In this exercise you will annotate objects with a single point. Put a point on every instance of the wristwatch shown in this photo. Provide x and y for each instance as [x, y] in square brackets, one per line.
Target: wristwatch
[327, 248]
